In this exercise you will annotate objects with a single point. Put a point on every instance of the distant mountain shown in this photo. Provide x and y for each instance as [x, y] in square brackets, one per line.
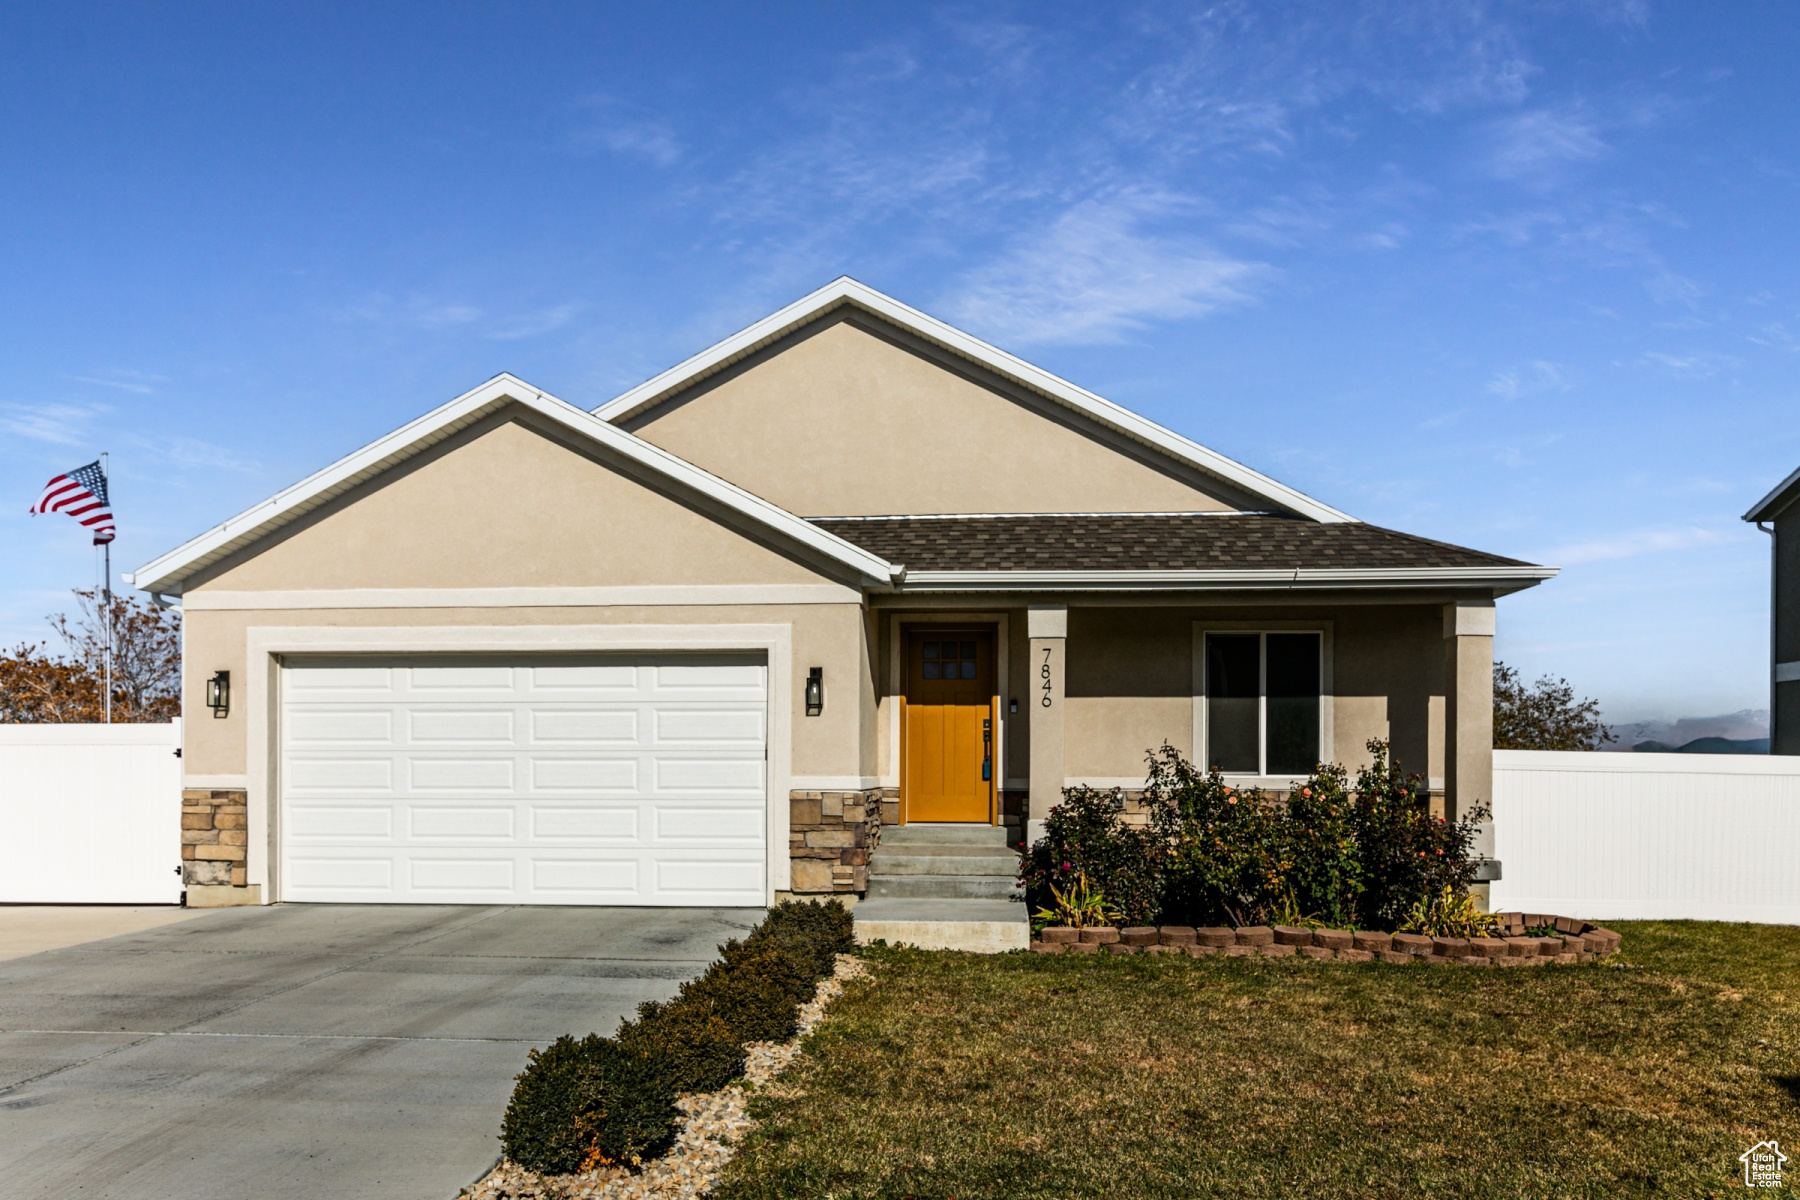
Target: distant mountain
[1707, 745]
[1750, 724]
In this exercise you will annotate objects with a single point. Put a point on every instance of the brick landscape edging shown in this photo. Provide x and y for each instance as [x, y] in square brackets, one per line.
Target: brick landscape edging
[1576, 941]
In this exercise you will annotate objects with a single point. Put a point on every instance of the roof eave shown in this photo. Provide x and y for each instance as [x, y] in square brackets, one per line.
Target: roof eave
[844, 290]
[1499, 578]
[1778, 501]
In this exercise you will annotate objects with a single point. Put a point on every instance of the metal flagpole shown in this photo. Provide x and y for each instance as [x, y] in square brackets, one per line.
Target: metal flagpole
[106, 591]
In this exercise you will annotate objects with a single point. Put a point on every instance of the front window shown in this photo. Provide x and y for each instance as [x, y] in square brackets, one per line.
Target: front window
[1262, 703]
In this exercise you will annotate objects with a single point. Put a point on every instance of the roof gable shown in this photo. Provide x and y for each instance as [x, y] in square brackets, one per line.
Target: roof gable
[1778, 501]
[847, 292]
[167, 573]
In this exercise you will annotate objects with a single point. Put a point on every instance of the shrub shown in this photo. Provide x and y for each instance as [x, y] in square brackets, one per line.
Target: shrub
[813, 933]
[1228, 854]
[1449, 914]
[580, 1104]
[1337, 851]
[597, 1101]
[1406, 854]
[1086, 835]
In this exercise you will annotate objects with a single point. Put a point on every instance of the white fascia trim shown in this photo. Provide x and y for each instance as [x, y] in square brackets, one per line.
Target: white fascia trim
[694, 595]
[845, 290]
[1767, 509]
[1116, 581]
[165, 574]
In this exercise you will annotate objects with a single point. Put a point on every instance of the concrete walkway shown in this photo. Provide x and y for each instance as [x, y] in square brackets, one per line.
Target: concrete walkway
[309, 1050]
[35, 928]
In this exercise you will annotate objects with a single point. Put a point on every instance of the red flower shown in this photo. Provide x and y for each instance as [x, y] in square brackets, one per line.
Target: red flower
[1307, 792]
[1230, 799]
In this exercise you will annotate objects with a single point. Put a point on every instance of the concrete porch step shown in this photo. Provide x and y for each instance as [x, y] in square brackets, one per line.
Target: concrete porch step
[942, 860]
[981, 926]
[944, 835]
[941, 887]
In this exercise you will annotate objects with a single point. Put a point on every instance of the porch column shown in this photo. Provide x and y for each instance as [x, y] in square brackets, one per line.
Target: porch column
[1469, 711]
[1047, 625]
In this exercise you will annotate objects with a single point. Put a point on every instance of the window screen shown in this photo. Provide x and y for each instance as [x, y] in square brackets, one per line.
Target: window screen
[1233, 685]
[1262, 702]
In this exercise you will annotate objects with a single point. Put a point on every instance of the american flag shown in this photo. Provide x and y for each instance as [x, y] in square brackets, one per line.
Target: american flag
[82, 494]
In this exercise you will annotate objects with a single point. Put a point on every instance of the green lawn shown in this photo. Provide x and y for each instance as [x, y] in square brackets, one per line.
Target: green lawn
[1028, 1075]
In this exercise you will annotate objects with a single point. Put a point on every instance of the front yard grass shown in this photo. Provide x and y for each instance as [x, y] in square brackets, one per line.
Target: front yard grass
[1019, 1075]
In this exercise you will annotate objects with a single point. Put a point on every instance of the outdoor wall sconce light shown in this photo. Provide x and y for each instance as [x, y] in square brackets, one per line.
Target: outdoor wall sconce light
[218, 693]
[815, 691]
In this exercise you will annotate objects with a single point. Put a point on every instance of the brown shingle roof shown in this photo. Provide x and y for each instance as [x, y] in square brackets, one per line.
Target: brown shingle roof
[1144, 542]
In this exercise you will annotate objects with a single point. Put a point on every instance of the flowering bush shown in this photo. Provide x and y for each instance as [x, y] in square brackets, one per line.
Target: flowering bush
[1086, 837]
[1345, 852]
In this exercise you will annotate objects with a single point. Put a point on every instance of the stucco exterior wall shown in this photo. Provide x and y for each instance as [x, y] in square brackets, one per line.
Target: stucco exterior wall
[1131, 682]
[504, 504]
[840, 421]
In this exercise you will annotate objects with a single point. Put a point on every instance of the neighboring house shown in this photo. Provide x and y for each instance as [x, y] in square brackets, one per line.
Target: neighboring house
[1778, 515]
[848, 569]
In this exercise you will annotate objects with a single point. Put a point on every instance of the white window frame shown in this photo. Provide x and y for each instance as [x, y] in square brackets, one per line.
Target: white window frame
[1327, 732]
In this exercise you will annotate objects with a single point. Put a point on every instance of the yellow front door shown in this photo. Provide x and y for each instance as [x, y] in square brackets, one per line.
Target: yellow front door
[950, 726]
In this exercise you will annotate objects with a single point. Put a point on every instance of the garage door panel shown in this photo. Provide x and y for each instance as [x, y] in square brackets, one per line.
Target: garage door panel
[460, 679]
[369, 876]
[615, 776]
[714, 776]
[601, 726]
[585, 823]
[320, 775]
[341, 727]
[709, 726]
[319, 822]
[681, 878]
[581, 880]
[429, 726]
[529, 780]
[598, 679]
[444, 877]
[741, 679]
[440, 821]
[742, 825]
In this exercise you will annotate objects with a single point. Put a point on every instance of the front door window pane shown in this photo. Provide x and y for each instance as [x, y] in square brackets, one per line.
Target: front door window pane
[1233, 686]
[1293, 703]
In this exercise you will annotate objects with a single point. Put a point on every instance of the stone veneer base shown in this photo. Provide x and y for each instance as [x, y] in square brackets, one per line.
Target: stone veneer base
[830, 837]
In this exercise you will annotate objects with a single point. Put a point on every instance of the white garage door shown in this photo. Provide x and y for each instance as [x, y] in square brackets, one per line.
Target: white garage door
[544, 780]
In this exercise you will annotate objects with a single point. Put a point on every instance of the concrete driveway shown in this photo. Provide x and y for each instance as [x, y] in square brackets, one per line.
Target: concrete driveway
[309, 1050]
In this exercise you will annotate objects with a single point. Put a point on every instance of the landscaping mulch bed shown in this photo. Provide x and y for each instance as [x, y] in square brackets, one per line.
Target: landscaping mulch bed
[1153, 1075]
[711, 1127]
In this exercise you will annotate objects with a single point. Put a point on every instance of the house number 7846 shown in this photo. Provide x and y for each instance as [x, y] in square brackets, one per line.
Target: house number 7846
[1044, 674]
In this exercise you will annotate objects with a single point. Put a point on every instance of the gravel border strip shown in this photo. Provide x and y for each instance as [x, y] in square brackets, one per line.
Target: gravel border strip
[710, 1127]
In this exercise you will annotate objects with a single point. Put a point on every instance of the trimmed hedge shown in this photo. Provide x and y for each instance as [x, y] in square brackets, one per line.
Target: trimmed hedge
[598, 1101]
[580, 1104]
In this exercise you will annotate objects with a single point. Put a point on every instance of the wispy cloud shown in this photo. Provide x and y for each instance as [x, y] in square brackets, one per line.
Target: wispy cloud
[423, 313]
[612, 125]
[59, 424]
[528, 325]
[1699, 365]
[1097, 273]
[192, 452]
[1537, 146]
[1633, 543]
[140, 382]
[1533, 377]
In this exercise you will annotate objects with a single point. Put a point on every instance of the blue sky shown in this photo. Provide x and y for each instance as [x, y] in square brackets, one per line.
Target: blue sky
[1524, 277]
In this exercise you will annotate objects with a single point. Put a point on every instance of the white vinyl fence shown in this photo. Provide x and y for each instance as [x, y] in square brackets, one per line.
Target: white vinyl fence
[90, 814]
[1651, 836]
